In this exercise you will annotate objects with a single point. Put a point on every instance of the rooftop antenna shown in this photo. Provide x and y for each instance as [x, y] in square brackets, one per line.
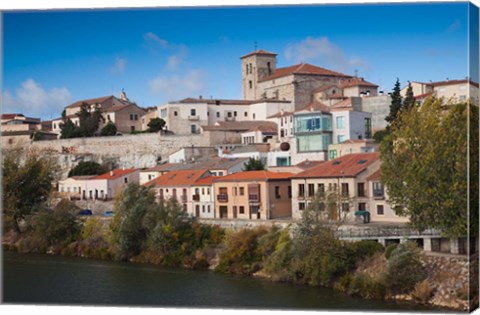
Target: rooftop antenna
[255, 45]
[356, 73]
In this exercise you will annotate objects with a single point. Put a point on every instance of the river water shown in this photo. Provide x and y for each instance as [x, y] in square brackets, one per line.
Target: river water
[43, 279]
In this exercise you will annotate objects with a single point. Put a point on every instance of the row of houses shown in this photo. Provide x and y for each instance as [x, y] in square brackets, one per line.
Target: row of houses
[345, 187]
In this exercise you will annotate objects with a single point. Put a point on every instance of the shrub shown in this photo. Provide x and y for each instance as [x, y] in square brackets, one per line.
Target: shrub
[278, 263]
[403, 269]
[389, 249]
[422, 292]
[363, 249]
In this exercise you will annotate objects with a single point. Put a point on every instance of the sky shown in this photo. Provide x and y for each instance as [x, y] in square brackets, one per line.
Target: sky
[54, 58]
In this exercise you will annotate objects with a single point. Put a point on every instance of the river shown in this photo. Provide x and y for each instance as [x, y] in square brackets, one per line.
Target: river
[44, 279]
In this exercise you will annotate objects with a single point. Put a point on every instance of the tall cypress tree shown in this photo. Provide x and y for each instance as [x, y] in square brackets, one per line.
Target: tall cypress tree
[409, 100]
[396, 104]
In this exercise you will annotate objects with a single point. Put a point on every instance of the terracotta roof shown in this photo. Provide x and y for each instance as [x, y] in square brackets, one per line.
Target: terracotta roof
[191, 100]
[118, 108]
[325, 87]
[216, 163]
[422, 96]
[90, 101]
[281, 114]
[205, 181]
[83, 177]
[356, 82]
[270, 128]
[450, 82]
[11, 116]
[374, 176]
[258, 52]
[345, 166]
[304, 68]
[238, 126]
[178, 178]
[309, 164]
[253, 175]
[256, 147]
[315, 107]
[347, 103]
[116, 174]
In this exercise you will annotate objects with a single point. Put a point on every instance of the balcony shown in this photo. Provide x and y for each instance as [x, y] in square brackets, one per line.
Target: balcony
[232, 118]
[253, 198]
[196, 197]
[183, 198]
[222, 197]
[193, 117]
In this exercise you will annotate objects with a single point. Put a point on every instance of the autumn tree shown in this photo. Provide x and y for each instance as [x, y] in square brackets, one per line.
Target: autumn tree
[425, 166]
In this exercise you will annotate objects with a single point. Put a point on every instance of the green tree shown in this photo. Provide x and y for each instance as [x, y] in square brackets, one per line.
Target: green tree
[396, 104]
[253, 165]
[156, 124]
[109, 129]
[56, 226]
[27, 183]
[68, 128]
[425, 166]
[87, 168]
[89, 120]
[128, 226]
[409, 100]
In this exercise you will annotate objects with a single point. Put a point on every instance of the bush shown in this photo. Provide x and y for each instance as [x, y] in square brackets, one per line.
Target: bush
[241, 254]
[363, 249]
[422, 292]
[278, 263]
[389, 249]
[403, 269]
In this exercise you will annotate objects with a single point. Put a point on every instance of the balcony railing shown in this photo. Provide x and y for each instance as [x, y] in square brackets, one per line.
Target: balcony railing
[253, 197]
[193, 117]
[378, 194]
[196, 197]
[222, 197]
[229, 118]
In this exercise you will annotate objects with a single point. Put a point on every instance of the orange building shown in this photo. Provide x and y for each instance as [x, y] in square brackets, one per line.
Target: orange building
[253, 195]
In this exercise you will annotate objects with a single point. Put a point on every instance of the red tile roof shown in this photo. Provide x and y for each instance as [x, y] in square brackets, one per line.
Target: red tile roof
[345, 166]
[115, 174]
[177, 178]
[375, 176]
[325, 87]
[304, 68]
[253, 175]
[356, 82]
[309, 164]
[90, 101]
[315, 107]
[347, 103]
[205, 181]
[450, 82]
[11, 116]
[258, 52]
[422, 96]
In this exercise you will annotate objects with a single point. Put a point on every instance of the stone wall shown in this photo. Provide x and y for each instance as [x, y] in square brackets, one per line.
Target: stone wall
[138, 151]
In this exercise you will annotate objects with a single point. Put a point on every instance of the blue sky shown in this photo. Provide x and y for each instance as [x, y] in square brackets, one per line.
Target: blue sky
[51, 59]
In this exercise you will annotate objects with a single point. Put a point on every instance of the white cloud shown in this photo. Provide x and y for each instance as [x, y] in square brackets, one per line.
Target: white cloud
[151, 38]
[120, 65]
[32, 100]
[325, 53]
[177, 86]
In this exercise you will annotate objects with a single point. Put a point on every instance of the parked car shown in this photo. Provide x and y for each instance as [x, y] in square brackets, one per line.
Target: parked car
[108, 213]
[85, 212]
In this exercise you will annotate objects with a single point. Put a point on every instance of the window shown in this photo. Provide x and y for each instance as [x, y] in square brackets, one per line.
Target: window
[362, 206]
[246, 69]
[241, 209]
[277, 192]
[253, 116]
[332, 154]
[368, 128]
[131, 116]
[340, 138]
[203, 209]
[234, 191]
[361, 189]
[242, 191]
[234, 114]
[345, 207]
[218, 114]
[377, 190]
[250, 85]
[136, 117]
[245, 114]
[193, 128]
[301, 206]
[250, 68]
[269, 68]
[345, 189]
[175, 113]
[283, 161]
[234, 210]
[301, 190]
[340, 122]
[313, 143]
[229, 114]
[193, 112]
[311, 190]
[380, 209]
[125, 180]
[220, 173]
[321, 188]
[208, 208]
[132, 128]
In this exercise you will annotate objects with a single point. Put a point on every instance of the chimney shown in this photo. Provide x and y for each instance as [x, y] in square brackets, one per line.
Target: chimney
[200, 97]
[111, 172]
